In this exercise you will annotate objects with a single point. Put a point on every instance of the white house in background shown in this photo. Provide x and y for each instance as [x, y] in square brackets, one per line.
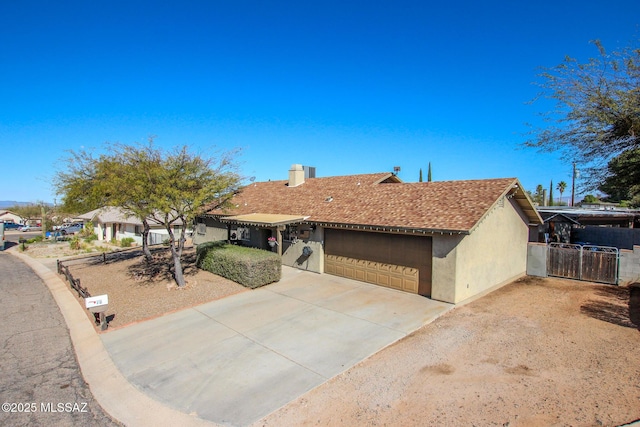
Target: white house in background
[112, 223]
[8, 216]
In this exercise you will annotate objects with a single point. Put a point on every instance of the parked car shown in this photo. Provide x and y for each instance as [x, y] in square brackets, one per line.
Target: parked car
[12, 226]
[30, 228]
[72, 229]
[61, 226]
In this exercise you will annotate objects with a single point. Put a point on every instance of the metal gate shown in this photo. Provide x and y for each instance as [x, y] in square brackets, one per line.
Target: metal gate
[589, 263]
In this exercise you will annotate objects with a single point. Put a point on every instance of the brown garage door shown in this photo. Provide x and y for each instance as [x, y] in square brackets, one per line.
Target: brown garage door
[392, 260]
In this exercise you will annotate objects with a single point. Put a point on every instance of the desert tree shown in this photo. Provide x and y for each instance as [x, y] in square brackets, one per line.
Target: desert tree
[81, 182]
[622, 183]
[597, 109]
[186, 184]
[32, 211]
[155, 186]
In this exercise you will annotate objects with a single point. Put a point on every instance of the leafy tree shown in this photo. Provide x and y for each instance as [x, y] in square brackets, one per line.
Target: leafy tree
[551, 194]
[429, 173]
[538, 196]
[82, 183]
[186, 183]
[590, 199]
[562, 186]
[131, 176]
[597, 112]
[420, 177]
[152, 185]
[28, 212]
[623, 179]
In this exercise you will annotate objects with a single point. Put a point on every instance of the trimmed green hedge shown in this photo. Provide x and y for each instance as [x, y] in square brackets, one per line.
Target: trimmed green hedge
[248, 266]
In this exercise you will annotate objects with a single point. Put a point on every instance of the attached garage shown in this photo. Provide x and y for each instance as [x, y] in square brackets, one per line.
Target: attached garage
[446, 240]
[395, 261]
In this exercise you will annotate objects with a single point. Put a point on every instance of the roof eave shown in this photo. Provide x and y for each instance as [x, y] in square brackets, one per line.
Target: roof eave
[390, 229]
[516, 191]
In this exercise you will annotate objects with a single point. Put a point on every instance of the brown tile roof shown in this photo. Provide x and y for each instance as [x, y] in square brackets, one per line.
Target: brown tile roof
[361, 200]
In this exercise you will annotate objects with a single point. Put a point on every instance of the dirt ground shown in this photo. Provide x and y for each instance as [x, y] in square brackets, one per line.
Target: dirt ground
[138, 291]
[537, 352]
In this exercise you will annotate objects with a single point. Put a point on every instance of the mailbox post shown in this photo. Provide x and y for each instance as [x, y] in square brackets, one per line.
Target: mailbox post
[98, 305]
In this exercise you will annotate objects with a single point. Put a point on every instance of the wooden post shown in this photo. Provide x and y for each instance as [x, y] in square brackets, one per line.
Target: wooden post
[279, 231]
[103, 321]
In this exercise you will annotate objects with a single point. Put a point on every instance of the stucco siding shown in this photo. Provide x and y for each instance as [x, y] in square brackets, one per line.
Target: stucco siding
[212, 231]
[443, 274]
[494, 253]
[293, 256]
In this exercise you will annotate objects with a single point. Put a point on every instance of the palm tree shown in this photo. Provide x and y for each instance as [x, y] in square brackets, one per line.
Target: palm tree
[561, 187]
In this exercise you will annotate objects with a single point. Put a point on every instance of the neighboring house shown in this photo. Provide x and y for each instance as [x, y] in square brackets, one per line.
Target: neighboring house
[556, 228]
[448, 241]
[7, 216]
[595, 225]
[111, 223]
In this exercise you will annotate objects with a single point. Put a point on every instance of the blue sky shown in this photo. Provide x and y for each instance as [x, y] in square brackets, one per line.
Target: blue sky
[345, 86]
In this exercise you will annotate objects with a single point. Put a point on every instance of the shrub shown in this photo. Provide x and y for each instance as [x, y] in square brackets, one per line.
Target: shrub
[75, 243]
[126, 242]
[247, 266]
[91, 238]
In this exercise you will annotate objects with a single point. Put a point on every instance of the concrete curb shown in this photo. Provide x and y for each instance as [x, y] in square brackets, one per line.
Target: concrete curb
[119, 398]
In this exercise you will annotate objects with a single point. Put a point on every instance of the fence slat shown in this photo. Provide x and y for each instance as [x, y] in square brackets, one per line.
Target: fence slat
[588, 263]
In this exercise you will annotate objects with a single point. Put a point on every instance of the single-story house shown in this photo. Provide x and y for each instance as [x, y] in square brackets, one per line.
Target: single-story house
[555, 228]
[8, 216]
[111, 223]
[448, 241]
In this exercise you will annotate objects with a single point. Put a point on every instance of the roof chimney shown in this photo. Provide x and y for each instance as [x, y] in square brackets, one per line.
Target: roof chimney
[296, 175]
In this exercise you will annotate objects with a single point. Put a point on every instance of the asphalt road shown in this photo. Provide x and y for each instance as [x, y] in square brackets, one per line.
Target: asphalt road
[11, 237]
[40, 381]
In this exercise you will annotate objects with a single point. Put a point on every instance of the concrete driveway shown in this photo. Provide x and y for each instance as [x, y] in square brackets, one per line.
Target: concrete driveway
[235, 360]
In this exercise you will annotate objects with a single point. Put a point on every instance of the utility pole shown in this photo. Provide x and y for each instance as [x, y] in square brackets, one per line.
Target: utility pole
[573, 185]
[43, 225]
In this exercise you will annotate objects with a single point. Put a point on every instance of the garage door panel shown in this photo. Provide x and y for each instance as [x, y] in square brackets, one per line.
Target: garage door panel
[390, 276]
[377, 257]
[395, 282]
[384, 280]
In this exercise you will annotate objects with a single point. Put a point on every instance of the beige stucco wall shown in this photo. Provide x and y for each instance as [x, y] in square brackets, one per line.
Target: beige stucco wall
[292, 252]
[443, 266]
[492, 255]
[214, 231]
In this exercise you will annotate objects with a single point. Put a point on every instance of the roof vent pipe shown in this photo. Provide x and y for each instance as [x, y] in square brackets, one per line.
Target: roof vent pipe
[296, 175]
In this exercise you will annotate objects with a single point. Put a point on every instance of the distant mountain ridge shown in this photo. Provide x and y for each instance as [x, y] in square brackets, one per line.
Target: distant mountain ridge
[9, 203]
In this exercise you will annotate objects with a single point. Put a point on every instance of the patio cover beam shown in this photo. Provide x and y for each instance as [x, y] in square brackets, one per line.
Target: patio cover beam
[264, 220]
